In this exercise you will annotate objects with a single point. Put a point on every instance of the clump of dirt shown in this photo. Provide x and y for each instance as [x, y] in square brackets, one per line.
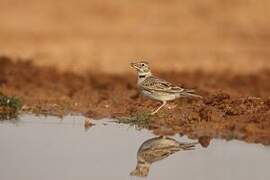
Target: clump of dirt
[221, 116]
[234, 106]
[204, 141]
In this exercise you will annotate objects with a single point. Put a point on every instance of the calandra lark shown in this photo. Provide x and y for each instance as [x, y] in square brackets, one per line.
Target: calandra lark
[156, 149]
[156, 88]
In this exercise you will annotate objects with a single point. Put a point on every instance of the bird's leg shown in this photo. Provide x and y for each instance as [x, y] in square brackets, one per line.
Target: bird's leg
[163, 104]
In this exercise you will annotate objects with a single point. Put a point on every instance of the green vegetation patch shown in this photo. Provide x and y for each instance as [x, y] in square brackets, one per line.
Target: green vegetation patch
[9, 107]
[139, 120]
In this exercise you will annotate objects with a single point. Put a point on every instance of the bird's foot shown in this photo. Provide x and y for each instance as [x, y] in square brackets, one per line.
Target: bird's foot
[171, 106]
[153, 113]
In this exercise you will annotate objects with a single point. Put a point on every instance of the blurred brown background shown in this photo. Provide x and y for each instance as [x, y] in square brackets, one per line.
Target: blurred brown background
[79, 35]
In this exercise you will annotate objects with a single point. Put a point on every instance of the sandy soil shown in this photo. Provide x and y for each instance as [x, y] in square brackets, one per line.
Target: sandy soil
[80, 51]
[233, 107]
[81, 35]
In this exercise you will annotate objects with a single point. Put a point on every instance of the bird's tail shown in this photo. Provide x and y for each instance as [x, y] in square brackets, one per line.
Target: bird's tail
[190, 93]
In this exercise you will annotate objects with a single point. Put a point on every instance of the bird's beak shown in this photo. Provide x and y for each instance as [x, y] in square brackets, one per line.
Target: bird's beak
[133, 65]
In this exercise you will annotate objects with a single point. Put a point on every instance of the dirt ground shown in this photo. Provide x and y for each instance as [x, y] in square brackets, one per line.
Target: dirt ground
[73, 56]
[233, 107]
[82, 35]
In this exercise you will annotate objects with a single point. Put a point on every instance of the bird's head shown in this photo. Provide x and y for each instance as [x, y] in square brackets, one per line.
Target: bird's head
[141, 170]
[142, 67]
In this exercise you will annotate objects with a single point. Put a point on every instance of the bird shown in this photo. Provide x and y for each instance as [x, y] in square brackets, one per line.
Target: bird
[157, 88]
[156, 149]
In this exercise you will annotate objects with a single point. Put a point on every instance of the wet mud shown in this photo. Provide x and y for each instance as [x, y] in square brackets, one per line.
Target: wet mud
[234, 106]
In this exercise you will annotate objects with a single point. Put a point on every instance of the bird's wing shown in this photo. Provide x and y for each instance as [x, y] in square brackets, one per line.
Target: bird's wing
[156, 154]
[156, 84]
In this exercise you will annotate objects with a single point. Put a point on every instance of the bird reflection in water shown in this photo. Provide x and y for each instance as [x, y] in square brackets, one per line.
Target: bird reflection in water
[156, 149]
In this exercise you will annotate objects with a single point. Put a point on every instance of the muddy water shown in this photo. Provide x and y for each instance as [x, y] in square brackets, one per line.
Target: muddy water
[49, 148]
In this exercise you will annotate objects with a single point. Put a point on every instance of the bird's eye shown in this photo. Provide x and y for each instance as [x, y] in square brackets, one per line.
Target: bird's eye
[142, 64]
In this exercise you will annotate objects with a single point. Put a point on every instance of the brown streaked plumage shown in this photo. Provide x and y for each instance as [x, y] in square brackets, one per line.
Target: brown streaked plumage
[156, 88]
[156, 149]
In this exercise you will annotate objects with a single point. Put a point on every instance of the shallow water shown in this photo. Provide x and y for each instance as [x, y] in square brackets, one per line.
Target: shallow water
[50, 148]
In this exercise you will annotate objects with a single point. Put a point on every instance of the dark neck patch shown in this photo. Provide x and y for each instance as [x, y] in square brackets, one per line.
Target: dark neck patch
[142, 76]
